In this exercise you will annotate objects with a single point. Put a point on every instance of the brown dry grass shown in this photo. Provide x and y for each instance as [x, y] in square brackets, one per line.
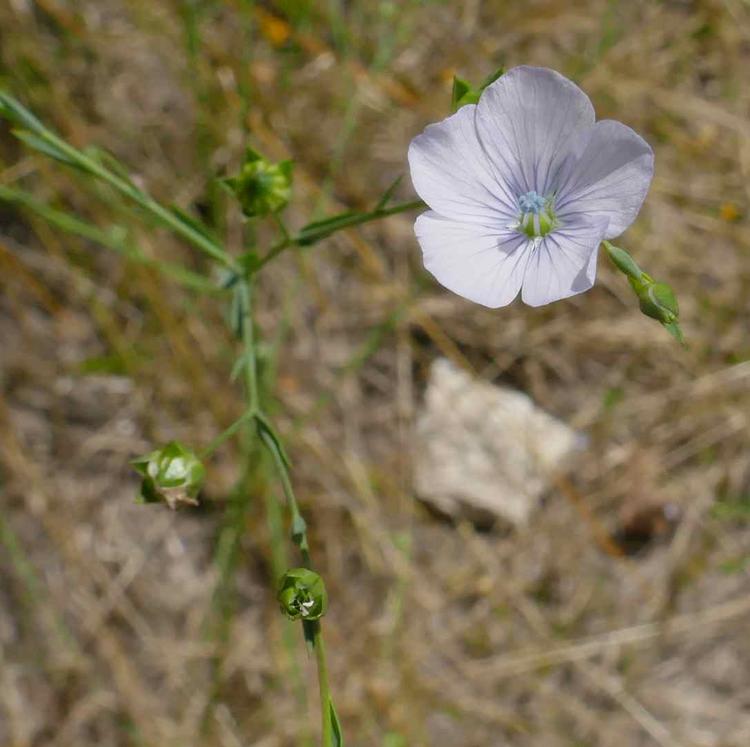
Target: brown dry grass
[112, 631]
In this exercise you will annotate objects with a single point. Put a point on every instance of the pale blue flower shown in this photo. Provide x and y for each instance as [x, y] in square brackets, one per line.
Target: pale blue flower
[523, 187]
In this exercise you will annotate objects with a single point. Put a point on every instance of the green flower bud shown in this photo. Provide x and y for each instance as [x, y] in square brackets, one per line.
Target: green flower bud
[172, 474]
[655, 299]
[261, 187]
[302, 594]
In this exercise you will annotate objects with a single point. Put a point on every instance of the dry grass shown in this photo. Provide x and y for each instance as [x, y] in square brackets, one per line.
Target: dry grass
[125, 625]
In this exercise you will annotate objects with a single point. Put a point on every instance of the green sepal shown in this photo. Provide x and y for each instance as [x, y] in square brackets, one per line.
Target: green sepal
[675, 330]
[462, 93]
[252, 155]
[658, 301]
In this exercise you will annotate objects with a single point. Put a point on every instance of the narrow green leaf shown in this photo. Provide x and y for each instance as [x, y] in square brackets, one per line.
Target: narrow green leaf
[38, 143]
[15, 112]
[106, 159]
[299, 529]
[237, 311]
[338, 735]
[269, 435]
[191, 221]
[386, 198]
[238, 367]
[115, 238]
[320, 229]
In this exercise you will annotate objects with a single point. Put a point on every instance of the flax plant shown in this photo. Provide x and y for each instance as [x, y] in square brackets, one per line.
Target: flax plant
[523, 187]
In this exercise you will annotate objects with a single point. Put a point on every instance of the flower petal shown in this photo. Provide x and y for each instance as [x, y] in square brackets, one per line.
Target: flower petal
[607, 174]
[483, 265]
[451, 173]
[525, 120]
[563, 263]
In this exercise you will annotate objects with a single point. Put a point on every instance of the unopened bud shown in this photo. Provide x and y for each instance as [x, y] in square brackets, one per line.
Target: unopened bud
[261, 187]
[302, 594]
[172, 474]
[655, 299]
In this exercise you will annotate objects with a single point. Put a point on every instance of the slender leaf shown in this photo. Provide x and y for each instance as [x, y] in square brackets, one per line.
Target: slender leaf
[40, 144]
[386, 198]
[338, 736]
[15, 112]
[115, 238]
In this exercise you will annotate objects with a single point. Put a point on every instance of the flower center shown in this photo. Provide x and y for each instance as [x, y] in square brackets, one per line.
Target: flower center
[537, 216]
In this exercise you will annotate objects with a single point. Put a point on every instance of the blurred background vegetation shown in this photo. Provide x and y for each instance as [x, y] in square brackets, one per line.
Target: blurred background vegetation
[601, 624]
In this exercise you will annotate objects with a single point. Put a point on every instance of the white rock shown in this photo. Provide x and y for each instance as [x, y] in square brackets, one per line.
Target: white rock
[485, 449]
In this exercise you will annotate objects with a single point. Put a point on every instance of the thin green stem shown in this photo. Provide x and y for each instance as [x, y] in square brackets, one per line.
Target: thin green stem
[323, 684]
[299, 526]
[321, 230]
[226, 434]
[250, 362]
[39, 137]
[270, 439]
[200, 240]
[114, 239]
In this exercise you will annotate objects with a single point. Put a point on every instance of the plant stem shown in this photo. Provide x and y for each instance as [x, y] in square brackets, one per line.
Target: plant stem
[113, 239]
[317, 231]
[81, 160]
[250, 363]
[227, 433]
[270, 440]
[323, 686]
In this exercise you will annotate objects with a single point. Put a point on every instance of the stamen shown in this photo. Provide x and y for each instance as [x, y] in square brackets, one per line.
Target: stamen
[537, 216]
